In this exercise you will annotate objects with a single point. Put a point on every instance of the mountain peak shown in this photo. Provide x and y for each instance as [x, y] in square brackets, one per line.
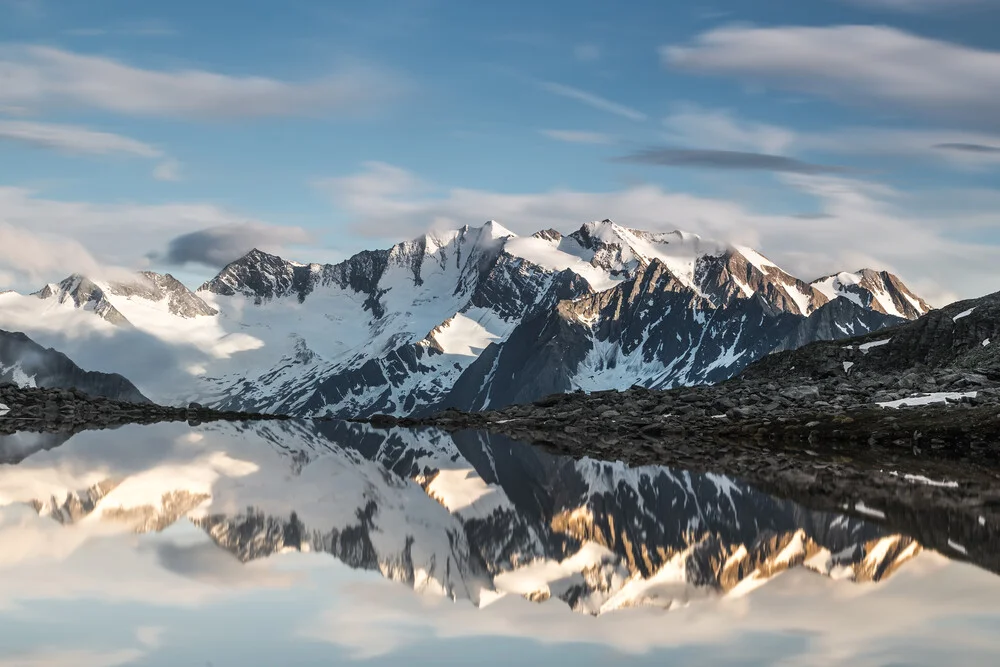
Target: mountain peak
[83, 293]
[881, 291]
[162, 289]
[257, 274]
[497, 231]
[256, 255]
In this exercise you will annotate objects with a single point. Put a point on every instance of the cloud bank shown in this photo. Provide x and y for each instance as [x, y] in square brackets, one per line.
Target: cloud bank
[874, 65]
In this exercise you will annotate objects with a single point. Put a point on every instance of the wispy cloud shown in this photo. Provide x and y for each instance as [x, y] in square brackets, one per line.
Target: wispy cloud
[74, 139]
[592, 100]
[587, 53]
[692, 126]
[722, 129]
[37, 77]
[732, 160]
[168, 170]
[918, 6]
[579, 136]
[29, 9]
[149, 28]
[79, 140]
[969, 148]
[875, 65]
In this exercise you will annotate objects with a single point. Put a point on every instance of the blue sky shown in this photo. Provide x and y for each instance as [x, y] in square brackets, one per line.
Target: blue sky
[831, 134]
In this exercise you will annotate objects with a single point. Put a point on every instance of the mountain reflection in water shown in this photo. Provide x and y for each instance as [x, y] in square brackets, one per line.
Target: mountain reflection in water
[219, 512]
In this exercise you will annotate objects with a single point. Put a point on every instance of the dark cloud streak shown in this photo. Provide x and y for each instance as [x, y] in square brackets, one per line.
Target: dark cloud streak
[969, 148]
[701, 158]
[217, 246]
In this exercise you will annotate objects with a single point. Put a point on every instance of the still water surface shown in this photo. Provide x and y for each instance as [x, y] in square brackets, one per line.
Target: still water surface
[314, 544]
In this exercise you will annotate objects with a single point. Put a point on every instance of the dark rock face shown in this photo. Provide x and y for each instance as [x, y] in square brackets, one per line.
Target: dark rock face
[837, 319]
[23, 360]
[962, 337]
[723, 278]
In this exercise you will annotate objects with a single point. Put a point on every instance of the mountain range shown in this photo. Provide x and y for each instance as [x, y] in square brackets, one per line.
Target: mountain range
[471, 318]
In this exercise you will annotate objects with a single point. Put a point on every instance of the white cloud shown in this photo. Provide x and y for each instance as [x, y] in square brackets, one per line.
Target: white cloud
[45, 239]
[38, 256]
[592, 100]
[721, 129]
[168, 170]
[587, 53]
[73, 658]
[857, 224]
[579, 136]
[79, 140]
[37, 76]
[74, 139]
[876, 65]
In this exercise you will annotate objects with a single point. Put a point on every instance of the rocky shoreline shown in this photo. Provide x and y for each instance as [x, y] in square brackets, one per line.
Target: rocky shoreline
[946, 415]
[823, 442]
[70, 411]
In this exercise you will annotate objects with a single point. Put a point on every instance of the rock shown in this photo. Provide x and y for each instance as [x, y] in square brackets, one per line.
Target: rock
[801, 393]
[739, 413]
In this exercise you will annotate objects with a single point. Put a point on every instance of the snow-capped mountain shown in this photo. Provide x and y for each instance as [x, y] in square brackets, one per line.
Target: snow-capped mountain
[468, 516]
[472, 318]
[876, 290]
[152, 290]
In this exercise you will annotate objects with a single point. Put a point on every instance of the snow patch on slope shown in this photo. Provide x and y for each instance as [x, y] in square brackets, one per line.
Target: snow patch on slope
[928, 399]
[964, 313]
[463, 336]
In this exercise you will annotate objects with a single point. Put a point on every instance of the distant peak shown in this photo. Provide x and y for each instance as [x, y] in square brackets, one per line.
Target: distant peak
[256, 255]
[548, 235]
[496, 230]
